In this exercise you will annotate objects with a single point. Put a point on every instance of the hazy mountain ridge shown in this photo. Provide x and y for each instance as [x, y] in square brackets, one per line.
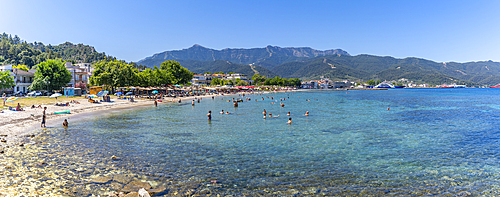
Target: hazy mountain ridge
[307, 63]
[268, 57]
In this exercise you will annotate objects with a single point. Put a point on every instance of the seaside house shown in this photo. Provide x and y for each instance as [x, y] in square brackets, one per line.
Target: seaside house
[242, 77]
[205, 79]
[79, 74]
[22, 79]
[309, 85]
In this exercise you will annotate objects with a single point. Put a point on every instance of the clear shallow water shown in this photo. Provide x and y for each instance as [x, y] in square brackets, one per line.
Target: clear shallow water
[431, 141]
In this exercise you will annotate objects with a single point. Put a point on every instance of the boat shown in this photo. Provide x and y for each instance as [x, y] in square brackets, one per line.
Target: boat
[384, 85]
[399, 86]
[497, 86]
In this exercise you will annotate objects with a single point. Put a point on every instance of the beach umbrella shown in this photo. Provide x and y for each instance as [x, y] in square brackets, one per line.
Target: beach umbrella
[102, 93]
[10, 99]
[55, 95]
[119, 93]
[155, 92]
[92, 96]
[129, 93]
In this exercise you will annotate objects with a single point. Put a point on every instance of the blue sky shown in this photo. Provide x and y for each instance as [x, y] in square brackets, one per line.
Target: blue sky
[442, 31]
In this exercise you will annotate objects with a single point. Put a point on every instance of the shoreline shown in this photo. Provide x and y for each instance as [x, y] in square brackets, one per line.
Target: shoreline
[20, 127]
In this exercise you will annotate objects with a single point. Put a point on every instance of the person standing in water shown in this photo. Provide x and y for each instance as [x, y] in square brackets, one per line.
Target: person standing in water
[156, 103]
[65, 123]
[43, 117]
[192, 103]
[209, 115]
[289, 121]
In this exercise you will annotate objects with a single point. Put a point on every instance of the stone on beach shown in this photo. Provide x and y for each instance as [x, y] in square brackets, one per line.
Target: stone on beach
[143, 193]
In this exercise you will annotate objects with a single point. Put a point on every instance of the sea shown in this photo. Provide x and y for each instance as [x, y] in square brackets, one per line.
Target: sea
[396, 142]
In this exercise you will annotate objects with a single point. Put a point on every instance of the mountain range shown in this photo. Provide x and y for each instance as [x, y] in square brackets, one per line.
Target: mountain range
[307, 63]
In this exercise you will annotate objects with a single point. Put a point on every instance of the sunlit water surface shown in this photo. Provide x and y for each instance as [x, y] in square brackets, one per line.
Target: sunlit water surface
[431, 141]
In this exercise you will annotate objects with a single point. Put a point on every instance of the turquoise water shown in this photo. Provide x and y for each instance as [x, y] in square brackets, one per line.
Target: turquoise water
[431, 141]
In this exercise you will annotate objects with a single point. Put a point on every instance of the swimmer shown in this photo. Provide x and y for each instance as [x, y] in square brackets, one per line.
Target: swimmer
[264, 116]
[227, 112]
[221, 112]
[282, 105]
[388, 109]
[288, 114]
[307, 113]
[264, 112]
[289, 121]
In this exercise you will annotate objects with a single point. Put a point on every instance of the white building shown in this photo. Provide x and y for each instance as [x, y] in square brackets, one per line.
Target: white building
[22, 79]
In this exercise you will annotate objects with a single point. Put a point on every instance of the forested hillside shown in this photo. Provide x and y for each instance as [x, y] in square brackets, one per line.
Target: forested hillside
[15, 51]
[201, 67]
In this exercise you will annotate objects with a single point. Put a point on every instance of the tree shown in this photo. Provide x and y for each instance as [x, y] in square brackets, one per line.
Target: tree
[179, 74]
[21, 67]
[258, 78]
[6, 80]
[114, 73]
[53, 73]
[371, 82]
[241, 83]
[215, 81]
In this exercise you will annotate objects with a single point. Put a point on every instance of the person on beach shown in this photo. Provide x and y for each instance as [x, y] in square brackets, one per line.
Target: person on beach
[4, 97]
[156, 103]
[209, 115]
[289, 121]
[43, 117]
[18, 107]
[65, 123]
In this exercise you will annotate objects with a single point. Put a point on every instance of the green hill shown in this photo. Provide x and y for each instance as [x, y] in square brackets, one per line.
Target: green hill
[224, 66]
[13, 50]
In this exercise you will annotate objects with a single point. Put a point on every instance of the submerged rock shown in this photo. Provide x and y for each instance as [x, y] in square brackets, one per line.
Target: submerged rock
[101, 179]
[122, 178]
[156, 190]
[136, 185]
[132, 194]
